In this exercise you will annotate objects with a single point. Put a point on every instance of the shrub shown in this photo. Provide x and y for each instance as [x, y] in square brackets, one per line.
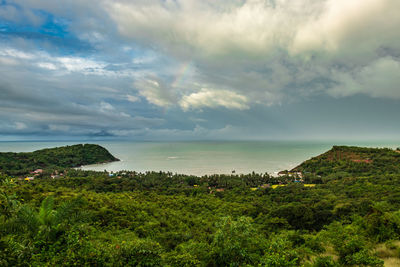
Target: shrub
[324, 261]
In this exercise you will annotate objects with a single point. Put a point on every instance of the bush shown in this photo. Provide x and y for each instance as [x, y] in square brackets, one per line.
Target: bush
[324, 261]
[280, 253]
[236, 242]
[351, 245]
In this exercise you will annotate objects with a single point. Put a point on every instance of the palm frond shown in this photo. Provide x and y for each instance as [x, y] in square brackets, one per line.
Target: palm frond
[46, 213]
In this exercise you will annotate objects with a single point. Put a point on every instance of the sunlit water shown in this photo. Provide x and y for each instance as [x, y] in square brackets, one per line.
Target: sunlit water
[201, 158]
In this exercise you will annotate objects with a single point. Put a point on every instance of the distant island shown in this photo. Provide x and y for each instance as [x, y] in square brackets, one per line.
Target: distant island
[341, 208]
[53, 158]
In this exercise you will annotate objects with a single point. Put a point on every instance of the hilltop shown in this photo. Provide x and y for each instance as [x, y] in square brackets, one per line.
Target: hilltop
[353, 160]
[59, 157]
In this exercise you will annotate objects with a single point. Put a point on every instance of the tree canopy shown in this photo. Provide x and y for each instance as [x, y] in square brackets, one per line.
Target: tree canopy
[350, 218]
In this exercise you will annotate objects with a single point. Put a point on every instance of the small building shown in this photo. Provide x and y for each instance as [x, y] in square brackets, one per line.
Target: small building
[29, 178]
[38, 171]
[282, 173]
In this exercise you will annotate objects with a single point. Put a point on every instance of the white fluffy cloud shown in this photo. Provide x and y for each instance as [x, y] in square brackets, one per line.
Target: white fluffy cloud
[256, 26]
[208, 98]
[155, 92]
[306, 40]
[350, 33]
[105, 107]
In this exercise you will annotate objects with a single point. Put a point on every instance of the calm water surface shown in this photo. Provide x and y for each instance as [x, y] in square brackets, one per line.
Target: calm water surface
[201, 158]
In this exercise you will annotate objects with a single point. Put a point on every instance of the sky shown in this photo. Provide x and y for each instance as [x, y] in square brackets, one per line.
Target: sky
[199, 70]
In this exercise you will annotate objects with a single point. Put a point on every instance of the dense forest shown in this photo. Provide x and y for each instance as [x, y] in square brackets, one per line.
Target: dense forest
[53, 158]
[350, 216]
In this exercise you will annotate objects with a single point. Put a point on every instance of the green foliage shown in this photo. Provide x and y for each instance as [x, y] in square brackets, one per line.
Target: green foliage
[53, 158]
[351, 245]
[324, 261]
[280, 253]
[236, 242]
[381, 224]
[31, 231]
[165, 219]
[344, 161]
[191, 253]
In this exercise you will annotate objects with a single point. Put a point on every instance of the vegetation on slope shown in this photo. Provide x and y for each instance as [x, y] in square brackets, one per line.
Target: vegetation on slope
[353, 160]
[59, 157]
[162, 219]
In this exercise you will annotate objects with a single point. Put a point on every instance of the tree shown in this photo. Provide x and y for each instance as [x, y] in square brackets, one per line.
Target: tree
[37, 233]
[236, 242]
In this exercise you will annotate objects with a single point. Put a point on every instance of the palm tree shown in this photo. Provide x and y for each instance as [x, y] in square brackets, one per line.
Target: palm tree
[47, 223]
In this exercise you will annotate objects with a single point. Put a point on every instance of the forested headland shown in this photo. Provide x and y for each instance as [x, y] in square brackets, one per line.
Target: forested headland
[53, 158]
[341, 208]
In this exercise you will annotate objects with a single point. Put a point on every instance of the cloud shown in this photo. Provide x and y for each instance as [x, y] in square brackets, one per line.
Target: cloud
[207, 98]
[40, 96]
[47, 65]
[12, 13]
[268, 51]
[14, 53]
[8, 61]
[132, 98]
[156, 92]
[196, 132]
[81, 65]
[104, 106]
[306, 40]
[204, 27]
[358, 26]
[20, 126]
[379, 79]
[255, 27]
[61, 128]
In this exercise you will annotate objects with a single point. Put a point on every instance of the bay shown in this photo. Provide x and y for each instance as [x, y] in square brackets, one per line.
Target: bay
[200, 158]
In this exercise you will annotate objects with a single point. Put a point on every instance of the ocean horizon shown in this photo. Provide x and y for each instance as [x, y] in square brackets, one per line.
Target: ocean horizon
[200, 157]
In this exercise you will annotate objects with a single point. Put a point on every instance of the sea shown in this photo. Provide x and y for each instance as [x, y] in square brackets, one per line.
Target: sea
[201, 157]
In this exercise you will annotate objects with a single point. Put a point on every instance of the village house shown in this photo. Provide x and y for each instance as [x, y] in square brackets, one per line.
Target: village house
[38, 171]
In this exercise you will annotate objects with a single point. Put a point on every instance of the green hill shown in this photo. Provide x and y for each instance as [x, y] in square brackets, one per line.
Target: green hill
[59, 157]
[353, 160]
[90, 218]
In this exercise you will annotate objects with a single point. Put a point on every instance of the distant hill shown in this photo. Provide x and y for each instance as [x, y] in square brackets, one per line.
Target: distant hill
[354, 160]
[59, 157]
